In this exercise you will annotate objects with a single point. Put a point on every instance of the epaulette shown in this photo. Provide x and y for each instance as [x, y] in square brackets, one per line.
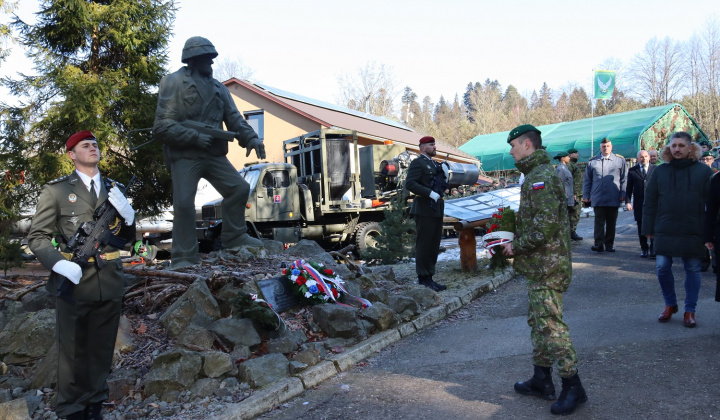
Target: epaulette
[56, 180]
[620, 156]
[595, 157]
[117, 184]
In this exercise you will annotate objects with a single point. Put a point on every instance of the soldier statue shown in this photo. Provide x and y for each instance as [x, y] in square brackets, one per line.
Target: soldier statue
[192, 106]
[542, 253]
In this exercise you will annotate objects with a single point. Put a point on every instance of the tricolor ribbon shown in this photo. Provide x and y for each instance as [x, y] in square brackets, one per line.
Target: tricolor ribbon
[337, 281]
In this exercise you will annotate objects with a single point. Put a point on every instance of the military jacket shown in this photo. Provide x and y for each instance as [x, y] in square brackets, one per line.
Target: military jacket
[567, 181]
[419, 180]
[63, 206]
[605, 180]
[179, 99]
[542, 235]
[577, 175]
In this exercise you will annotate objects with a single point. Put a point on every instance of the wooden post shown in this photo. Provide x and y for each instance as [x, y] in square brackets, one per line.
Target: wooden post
[468, 249]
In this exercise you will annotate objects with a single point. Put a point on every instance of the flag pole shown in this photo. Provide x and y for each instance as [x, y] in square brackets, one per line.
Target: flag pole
[592, 117]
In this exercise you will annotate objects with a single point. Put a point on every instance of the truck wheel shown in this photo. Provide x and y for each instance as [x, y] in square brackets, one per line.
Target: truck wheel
[366, 235]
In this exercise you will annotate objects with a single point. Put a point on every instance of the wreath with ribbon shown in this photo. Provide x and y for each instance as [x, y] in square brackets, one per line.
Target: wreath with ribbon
[316, 283]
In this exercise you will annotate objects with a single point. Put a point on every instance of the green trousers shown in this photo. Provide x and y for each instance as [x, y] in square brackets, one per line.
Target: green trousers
[186, 174]
[86, 333]
[549, 334]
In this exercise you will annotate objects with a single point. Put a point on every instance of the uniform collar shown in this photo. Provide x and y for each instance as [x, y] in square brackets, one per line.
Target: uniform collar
[86, 180]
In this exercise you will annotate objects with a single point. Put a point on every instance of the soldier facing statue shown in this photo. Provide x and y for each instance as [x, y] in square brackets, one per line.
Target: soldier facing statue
[192, 107]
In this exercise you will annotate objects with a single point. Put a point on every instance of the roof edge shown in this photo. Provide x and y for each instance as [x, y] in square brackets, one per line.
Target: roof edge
[250, 86]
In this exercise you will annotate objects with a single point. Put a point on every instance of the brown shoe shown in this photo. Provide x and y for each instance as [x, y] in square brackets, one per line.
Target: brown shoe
[689, 320]
[667, 313]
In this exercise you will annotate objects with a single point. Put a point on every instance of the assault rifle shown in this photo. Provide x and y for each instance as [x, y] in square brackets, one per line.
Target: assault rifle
[206, 129]
[89, 239]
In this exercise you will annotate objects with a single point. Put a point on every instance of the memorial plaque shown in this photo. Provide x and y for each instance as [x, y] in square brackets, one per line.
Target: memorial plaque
[278, 293]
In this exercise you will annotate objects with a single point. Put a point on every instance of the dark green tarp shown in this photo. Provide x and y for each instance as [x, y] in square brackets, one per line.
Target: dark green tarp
[629, 132]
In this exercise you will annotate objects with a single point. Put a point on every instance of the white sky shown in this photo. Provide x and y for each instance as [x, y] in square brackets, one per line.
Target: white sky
[435, 47]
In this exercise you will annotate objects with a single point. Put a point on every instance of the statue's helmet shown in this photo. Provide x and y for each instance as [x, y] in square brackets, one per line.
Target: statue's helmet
[197, 46]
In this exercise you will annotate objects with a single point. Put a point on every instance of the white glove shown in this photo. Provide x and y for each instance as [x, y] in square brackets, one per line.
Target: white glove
[446, 170]
[121, 204]
[257, 145]
[434, 196]
[68, 269]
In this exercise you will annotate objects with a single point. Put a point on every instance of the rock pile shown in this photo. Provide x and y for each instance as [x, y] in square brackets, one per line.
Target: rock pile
[196, 354]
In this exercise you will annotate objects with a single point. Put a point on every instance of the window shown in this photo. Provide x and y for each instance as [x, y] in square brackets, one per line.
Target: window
[256, 119]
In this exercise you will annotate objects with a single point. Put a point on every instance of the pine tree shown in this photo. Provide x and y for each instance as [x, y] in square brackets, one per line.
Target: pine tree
[98, 65]
[398, 231]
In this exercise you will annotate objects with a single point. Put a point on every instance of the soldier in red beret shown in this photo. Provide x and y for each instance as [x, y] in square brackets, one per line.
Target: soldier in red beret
[87, 321]
[428, 181]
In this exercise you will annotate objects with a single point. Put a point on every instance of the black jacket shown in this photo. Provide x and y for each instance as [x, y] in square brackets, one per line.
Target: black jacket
[636, 184]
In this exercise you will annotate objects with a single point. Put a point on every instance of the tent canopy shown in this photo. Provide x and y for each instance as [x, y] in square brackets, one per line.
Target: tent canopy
[629, 132]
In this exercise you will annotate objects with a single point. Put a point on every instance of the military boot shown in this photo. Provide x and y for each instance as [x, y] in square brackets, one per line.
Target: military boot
[540, 385]
[575, 237]
[572, 395]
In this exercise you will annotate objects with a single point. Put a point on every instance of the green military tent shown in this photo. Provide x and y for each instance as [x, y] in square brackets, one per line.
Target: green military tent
[629, 132]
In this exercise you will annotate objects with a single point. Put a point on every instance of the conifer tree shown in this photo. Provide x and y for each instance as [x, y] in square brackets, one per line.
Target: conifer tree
[97, 66]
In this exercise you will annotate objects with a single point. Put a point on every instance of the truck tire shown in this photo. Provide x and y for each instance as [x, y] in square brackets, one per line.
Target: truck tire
[366, 234]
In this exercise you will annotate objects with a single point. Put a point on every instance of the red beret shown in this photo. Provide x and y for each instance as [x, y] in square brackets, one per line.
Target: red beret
[427, 139]
[78, 137]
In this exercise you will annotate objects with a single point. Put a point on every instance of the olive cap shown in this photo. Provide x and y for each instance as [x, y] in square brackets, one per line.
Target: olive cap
[520, 130]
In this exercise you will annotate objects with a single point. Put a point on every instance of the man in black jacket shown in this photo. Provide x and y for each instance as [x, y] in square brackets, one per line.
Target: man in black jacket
[638, 176]
[425, 179]
[674, 215]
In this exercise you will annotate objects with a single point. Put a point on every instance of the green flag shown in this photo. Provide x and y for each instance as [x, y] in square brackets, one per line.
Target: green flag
[604, 84]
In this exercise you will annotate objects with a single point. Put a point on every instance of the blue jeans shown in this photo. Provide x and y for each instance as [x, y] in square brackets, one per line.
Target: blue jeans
[667, 281]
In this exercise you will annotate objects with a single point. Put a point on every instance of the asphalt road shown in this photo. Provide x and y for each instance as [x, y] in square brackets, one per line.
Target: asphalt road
[464, 367]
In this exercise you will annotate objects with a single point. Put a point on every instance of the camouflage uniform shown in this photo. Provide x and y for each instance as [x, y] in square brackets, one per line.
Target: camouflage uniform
[542, 254]
[577, 175]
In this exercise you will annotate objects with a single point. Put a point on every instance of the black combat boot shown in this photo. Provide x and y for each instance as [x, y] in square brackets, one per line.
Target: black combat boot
[94, 411]
[572, 395]
[540, 385]
[574, 236]
[428, 281]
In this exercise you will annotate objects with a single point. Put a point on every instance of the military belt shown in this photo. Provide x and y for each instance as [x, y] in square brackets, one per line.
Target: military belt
[108, 256]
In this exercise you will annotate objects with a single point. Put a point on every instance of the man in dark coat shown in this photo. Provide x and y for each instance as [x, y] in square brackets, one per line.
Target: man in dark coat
[674, 216]
[638, 177]
[87, 320]
[427, 180]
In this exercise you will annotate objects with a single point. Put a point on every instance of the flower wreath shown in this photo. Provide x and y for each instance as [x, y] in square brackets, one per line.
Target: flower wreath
[501, 231]
[318, 284]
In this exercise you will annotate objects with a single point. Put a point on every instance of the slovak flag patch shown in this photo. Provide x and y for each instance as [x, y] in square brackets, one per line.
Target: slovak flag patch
[538, 185]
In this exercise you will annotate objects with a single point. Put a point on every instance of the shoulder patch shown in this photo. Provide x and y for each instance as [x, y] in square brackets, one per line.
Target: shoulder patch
[56, 180]
[538, 185]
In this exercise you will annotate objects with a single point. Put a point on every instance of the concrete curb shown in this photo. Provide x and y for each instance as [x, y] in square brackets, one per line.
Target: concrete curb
[265, 399]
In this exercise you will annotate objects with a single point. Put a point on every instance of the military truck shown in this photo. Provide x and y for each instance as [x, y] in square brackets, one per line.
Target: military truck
[329, 190]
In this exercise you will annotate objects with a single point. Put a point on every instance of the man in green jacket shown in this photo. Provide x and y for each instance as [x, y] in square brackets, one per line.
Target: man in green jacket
[543, 255]
[427, 180]
[87, 321]
[674, 216]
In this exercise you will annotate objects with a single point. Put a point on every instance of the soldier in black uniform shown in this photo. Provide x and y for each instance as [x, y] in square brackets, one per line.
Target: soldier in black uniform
[86, 323]
[427, 179]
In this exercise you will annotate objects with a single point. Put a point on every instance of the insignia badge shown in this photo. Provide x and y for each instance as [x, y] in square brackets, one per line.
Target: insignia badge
[72, 197]
[74, 220]
[538, 185]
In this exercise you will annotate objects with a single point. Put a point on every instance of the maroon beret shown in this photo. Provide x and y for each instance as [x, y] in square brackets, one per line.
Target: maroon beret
[78, 137]
[427, 139]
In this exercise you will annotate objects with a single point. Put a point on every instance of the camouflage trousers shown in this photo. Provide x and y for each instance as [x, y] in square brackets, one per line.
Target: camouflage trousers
[574, 216]
[549, 334]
